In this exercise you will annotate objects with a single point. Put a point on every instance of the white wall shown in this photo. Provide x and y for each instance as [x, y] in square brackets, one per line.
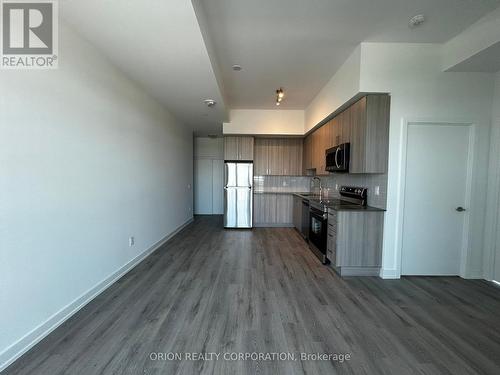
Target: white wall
[342, 87]
[412, 74]
[265, 122]
[86, 160]
[492, 228]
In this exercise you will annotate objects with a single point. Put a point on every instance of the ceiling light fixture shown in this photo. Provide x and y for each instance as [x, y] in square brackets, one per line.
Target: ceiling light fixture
[210, 103]
[280, 94]
[416, 21]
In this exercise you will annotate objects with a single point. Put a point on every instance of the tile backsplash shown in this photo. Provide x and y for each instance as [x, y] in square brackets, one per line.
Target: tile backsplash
[370, 181]
[282, 184]
[298, 184]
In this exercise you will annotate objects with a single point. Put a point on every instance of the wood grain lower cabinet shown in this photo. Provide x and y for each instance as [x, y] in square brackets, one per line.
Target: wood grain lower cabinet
[273, 210]
[354, 245]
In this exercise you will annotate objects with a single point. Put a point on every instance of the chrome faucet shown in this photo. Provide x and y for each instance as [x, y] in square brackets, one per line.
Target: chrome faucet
[320, 187]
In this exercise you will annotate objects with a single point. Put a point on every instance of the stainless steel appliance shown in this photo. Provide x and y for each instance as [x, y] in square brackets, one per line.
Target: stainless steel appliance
[318, 229]
[354, 195]
[352, 198]
[337, 158]
[304, 230]
[238, 195]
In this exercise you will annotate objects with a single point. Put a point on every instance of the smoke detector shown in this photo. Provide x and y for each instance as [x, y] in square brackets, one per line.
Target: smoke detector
[210, 103]
[237, 68]
[416, 21]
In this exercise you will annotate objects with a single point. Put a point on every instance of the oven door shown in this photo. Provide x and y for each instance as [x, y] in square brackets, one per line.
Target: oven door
[318, 228]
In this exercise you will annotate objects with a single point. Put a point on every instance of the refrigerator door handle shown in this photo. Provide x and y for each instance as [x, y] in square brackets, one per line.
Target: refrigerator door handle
[226, 173]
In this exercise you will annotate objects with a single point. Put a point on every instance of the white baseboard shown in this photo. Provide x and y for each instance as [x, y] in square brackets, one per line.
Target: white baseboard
[17, 349]
[389, 274]
[474, 274]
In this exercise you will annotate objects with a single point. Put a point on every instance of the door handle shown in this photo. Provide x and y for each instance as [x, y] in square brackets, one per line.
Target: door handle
[460, 209]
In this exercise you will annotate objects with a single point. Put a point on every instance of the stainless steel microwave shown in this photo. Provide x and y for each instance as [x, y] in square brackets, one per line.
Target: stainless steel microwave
[337, 158]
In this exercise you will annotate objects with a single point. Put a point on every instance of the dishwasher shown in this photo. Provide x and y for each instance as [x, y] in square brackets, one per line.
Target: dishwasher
[304, 230]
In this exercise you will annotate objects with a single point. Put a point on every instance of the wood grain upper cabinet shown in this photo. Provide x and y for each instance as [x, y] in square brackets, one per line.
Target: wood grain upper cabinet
[275, 157]
[307, 154]
[369, 134]
[344, 127]
[245, 147]
[278, 156]
[231, 148]
[261, 157]
[238, 148]
[322, 140]
[315, 150]
[322, 156]
[335, 133]
[292, 150]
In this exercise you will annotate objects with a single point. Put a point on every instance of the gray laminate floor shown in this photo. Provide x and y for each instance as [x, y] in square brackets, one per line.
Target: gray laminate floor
[262, 291]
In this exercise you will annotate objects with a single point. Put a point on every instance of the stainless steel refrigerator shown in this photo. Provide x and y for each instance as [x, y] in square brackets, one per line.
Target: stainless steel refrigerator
[238, 195]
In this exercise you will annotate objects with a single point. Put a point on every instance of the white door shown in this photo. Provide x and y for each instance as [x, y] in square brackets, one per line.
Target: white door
[436, 185]
[203, 187]
[496, 271]
[496, 275]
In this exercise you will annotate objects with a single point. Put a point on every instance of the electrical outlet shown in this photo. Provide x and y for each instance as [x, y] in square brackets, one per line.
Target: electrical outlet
[336, 186]
[377, 190]
[131, 241]
[189, 186]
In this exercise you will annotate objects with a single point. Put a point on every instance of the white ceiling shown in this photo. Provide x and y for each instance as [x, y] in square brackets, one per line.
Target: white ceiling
[300, 44]
[487, 61]
[159, 45]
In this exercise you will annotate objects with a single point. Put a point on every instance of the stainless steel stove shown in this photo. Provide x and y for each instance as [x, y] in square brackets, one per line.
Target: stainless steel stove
[318, 216]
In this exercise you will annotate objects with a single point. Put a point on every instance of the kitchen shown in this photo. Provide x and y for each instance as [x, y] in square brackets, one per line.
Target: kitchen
[219, 181]
[329, 185]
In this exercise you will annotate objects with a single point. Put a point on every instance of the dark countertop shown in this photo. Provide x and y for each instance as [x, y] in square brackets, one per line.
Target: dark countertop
[338, 204]
[278, 192]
